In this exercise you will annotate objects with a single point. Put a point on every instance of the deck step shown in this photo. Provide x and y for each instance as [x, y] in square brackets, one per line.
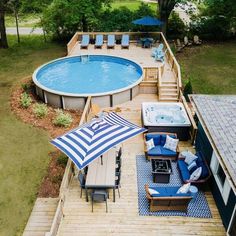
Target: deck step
[41, 217]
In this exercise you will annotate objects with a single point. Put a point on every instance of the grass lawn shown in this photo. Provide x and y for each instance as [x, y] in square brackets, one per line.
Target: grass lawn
[23, 148]
[211, 68]
[132, 4]
[25, 20]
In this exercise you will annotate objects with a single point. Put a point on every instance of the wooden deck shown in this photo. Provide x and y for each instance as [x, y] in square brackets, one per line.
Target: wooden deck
[122, 217]
[41, 217]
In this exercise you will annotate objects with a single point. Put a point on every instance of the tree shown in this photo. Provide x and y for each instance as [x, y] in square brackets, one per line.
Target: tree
[64, 17]
[3, 35]
[165, 8]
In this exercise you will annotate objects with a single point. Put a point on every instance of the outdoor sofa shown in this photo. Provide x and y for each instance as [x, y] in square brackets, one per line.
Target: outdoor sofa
[168, 199]
[159, 151]
[185, 173]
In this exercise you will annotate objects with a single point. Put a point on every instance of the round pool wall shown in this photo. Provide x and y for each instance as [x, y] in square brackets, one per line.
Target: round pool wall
[68, 82]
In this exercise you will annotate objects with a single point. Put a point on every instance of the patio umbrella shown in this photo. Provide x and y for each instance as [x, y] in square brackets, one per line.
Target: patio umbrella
[148, 21]
[89, 141]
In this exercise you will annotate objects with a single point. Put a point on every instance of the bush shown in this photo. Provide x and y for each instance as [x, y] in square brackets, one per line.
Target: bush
[25, 87]
[62, 160]
[25, 100]
[176, 27]
[188, 90]
[40, 110]
[62, 119]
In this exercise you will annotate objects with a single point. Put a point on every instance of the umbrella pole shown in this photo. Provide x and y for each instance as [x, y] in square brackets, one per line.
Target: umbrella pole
[101, 160]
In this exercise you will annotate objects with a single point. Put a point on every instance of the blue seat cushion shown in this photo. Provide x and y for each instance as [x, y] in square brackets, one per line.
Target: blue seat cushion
[183, 170]
[156, 138]
[167, 152]
[156, 151]
[161, 190]
[163, 139]
[201, 163]
[160, 151]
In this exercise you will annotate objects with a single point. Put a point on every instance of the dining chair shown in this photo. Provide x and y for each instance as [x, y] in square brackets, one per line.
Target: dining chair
[117, 181]
[81, 178]
[99, 195]
[118, 156]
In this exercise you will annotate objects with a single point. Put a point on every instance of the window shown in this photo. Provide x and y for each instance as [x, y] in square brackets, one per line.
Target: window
[220, 178]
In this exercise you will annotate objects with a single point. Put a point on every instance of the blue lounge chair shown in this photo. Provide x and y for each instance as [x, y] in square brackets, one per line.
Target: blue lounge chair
[99, 41]
[84, 41]
[125, 41]
[111, 41]
[157, 50]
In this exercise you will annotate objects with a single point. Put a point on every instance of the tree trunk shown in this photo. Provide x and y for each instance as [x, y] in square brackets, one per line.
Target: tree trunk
[84, 24]
[164, 19]
[17, 25]
[3, 35]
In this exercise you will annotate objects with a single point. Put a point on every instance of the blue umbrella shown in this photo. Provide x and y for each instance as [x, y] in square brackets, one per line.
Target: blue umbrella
[147, 20]
[89, 141]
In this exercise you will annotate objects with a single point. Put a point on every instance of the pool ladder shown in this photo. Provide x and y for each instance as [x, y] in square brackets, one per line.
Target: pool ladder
[84, 59]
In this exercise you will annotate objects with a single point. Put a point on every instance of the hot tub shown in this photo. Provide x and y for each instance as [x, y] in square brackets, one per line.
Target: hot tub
[166, 117]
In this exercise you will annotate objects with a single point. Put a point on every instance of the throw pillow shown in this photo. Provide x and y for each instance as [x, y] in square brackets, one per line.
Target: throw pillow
[153, 191]
[192, 165]
[171, 143]
[184, 188]
[150, 144]
[189, 157]
[196, 174]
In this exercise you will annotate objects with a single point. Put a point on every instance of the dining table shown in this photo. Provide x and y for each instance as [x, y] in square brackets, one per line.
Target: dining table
[102, 173]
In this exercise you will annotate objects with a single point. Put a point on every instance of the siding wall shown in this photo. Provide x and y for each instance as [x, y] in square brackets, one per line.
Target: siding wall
[203, 145]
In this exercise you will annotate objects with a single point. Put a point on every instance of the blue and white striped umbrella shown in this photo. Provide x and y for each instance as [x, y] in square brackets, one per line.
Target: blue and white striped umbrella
[89, 141]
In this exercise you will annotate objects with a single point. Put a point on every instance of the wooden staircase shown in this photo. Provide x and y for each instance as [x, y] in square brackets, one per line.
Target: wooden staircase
[168, 86]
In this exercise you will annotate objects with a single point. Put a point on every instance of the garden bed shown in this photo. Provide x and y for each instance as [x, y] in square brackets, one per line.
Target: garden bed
[51, 183]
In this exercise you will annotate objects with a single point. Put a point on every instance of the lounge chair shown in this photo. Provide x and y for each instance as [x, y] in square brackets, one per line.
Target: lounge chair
[84, 41]
[196, 40]
[157, 50]
[111, 41]
[178, 45]
[99, 41]
[125, 41]
[187, 42]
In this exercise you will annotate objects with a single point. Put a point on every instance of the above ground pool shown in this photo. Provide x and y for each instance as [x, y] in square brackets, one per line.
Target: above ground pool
[166, 117]
[83, 76]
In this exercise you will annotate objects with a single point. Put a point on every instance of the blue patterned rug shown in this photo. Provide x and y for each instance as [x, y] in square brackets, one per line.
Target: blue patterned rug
[198, 207]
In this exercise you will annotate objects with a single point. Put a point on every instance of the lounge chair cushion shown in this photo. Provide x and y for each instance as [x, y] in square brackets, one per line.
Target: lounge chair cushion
[171, 143]
[183, 170]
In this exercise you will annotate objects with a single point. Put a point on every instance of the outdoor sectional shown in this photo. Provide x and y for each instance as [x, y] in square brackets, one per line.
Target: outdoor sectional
[159, 151]
[168, 199]
[185, 173]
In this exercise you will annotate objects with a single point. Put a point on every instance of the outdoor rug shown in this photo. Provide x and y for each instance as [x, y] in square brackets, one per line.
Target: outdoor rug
[198, 207]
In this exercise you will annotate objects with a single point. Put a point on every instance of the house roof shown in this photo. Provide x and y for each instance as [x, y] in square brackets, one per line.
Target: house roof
[218, 112]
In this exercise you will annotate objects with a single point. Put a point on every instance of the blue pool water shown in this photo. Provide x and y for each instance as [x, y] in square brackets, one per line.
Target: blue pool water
[88, 75]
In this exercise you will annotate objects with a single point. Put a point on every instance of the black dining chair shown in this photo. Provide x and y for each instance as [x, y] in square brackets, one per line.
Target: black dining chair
[118, 156]
[81, 178]
[99, 195]
[117, 181]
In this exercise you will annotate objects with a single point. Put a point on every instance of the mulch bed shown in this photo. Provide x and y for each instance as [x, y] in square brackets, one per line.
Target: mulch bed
[51, 183]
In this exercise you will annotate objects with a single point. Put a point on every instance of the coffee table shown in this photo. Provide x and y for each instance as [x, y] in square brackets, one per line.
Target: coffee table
[161, 170]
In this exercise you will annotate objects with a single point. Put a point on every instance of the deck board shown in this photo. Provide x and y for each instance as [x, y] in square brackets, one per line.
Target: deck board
[122, 217]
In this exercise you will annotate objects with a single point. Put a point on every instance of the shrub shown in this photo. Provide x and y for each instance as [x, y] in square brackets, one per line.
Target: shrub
[62, 119]
[40, 110]
[62, 160]
[25, 100]
[188, 90]
[25, 87]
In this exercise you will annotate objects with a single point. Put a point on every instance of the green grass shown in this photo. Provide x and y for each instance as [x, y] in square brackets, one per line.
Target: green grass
[132, 5]
[25, 20]
[23, 148]
[211, 68]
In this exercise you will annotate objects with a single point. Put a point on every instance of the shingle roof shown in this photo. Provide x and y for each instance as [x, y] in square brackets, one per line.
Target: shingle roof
[219, 116]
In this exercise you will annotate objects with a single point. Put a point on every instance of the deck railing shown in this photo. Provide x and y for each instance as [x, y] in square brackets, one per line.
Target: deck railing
[193, 130]
[173, 62]
[69, 172]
